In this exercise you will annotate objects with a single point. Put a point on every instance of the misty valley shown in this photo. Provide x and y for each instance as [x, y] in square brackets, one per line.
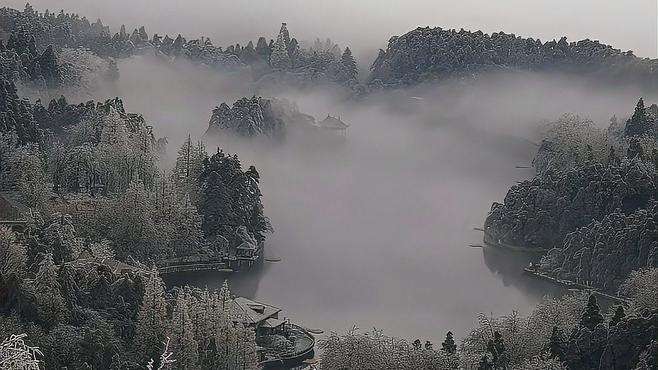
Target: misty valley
[457, 199]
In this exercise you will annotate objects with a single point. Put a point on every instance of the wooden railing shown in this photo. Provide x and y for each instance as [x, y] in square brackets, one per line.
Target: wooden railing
[198, 266]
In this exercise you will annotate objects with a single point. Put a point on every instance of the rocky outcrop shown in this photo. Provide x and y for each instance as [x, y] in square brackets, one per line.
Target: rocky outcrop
[539, 213]
[604, 253]
[426, 54]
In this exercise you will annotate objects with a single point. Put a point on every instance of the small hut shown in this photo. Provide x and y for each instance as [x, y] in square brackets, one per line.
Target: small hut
[334, 124]
[264, 318]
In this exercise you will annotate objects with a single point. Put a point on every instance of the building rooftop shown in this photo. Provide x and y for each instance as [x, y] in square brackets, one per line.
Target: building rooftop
[333, 123]
[253, 312]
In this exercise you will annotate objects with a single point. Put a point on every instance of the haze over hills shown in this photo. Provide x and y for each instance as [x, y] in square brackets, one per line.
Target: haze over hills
[172, 200]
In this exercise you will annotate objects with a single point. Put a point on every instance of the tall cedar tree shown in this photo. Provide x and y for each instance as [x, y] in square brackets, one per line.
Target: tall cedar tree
[349, 69]
[638, 124]
[150, 331]
[448, 346]
[279, 58]
[181, 335]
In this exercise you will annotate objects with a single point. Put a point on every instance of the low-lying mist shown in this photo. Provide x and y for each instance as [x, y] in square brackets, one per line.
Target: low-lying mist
[374, 230]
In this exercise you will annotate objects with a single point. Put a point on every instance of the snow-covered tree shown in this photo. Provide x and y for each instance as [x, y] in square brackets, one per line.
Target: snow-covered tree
[638, 124]
[348, 67]
[285, 34]
[522, 337]
[188, 167]
[279, 59]
[51, 307]
[541, 362]
[357, 350]
[151, 318]
[16, 355]
[569, 142]
[181, 334]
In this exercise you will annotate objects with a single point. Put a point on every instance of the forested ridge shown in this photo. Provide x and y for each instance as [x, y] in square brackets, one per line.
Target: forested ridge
[592, 203]
[270, 61]
[430, 54]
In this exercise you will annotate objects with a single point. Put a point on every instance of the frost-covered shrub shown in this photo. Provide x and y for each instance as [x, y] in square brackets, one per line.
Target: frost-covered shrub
[376, 351]
[524, 337]
[16, 355]
[569, 142]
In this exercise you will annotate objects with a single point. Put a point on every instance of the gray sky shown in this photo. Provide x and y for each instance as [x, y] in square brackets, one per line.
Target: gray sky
[367, 24]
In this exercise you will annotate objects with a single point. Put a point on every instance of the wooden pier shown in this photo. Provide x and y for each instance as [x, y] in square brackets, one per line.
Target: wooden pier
[189, 267]
[567, 284]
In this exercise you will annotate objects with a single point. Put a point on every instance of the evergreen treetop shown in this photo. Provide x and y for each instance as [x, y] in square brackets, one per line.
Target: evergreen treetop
[592, 315]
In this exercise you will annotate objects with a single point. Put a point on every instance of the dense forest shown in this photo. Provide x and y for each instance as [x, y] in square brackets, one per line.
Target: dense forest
[429, 54]
[273, 61]
[91, 212]
[592, 204]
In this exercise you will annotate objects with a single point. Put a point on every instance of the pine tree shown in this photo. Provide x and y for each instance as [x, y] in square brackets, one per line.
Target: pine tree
[226, 336]
[49, 68]
[262, 49]
[151, 317]
[181, 335]
[285, 34]
[638, 124]
[448, 346]
[249, 54]
[51, 306]
[592, 315]
[496, 348]
[348, 68]
[618, 316]
[279, 58]
[294, 52]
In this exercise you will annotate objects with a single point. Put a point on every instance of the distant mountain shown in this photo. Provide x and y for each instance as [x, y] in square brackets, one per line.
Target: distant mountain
[427, 54]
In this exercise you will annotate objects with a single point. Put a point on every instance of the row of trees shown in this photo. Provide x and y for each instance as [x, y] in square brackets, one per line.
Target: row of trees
[73, 35]
[571, 332]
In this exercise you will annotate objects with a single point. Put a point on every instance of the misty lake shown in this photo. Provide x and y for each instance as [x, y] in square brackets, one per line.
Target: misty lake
[375, 231]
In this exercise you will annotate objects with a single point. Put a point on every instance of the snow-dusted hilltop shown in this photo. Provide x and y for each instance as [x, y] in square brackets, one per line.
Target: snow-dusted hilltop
[427, 54]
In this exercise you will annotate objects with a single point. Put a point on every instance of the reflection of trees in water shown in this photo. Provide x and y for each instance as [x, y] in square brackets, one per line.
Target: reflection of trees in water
[509, 266]
[243, 284]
